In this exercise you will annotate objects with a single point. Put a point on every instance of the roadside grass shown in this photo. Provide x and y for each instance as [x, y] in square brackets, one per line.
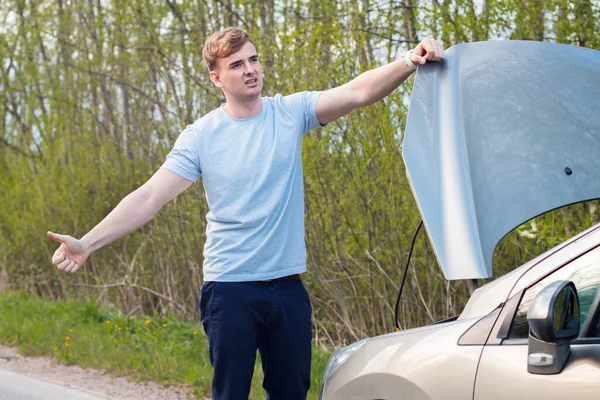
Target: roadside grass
[165, 350]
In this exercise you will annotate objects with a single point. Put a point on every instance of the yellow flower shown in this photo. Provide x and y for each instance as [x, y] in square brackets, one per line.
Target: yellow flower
[71, 330]
[164, 325]
[114, 341]
[108, 321]
[119, 328]
[126, 329]
[56, 349]
[67, 345]
[148, 322]
[195, 333]
[67, 338]
[154, 333]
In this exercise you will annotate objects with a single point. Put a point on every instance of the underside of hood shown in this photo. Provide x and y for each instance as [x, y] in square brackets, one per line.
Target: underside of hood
[498, 133]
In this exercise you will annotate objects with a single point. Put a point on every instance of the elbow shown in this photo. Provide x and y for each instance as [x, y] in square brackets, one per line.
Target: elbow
[363, 97]
[363, 92]
[149, 201]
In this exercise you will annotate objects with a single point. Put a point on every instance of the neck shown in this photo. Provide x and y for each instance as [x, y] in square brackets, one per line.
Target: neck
[242, 109]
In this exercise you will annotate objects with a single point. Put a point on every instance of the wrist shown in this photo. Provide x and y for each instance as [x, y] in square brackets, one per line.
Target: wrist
[408, 60]
[88, 246]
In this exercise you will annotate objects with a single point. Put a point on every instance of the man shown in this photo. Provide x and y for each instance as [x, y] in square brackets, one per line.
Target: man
[248, 153]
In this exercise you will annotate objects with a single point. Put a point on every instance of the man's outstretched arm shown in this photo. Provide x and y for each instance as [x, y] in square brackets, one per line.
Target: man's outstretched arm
[135, 210]
[373, 85]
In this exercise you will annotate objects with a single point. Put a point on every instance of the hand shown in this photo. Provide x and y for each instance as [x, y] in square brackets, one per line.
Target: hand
[71, 253]
[427, 50]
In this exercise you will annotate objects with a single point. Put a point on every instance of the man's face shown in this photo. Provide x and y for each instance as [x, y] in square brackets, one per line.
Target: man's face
[239, 74]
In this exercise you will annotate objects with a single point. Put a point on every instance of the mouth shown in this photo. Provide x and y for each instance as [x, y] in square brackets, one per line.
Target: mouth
[252, 82]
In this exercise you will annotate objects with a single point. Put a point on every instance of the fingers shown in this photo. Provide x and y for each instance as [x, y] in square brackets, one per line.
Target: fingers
[64, 264]
[63, 257]
[417, 54]
[428, 50]
[72, 267]
[418, 59]
[438, 51]
[58, 257]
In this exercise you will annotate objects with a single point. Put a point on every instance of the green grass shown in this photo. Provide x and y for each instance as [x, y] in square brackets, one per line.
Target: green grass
[164, 350]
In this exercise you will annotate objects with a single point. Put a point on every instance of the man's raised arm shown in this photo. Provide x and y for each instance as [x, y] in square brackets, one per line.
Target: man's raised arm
[373, 85]
[135, 210]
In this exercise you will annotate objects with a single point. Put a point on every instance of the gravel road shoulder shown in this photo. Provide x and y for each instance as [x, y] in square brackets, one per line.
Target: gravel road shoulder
[94, 381]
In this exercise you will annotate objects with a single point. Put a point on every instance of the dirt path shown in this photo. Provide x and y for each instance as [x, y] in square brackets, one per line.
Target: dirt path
[93, 381]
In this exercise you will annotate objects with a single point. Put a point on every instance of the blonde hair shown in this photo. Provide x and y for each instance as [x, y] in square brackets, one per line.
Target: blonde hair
[222, 44]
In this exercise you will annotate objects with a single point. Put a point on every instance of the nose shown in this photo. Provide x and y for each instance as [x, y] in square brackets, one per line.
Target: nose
[249, 70]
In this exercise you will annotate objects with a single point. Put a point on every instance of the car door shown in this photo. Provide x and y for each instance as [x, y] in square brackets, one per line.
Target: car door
[502, 372]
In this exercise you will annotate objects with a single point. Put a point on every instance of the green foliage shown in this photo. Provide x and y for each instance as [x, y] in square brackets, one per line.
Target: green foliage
[94, 96]
[163, 349]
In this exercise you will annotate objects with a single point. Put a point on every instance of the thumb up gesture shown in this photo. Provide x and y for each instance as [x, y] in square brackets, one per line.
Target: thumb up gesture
[71, 254]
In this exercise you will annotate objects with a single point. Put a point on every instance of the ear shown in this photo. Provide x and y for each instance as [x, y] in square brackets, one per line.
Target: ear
[214, 77]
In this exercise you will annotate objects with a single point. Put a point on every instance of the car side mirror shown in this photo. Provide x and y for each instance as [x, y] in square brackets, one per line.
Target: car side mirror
[553, 322]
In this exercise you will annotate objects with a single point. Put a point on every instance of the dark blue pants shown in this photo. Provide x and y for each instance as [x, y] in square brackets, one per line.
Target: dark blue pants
[273, 317]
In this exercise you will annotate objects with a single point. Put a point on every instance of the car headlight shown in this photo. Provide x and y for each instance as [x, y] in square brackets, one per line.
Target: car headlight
[340, 356]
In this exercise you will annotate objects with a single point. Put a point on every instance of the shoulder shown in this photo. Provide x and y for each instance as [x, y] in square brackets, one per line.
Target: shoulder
[207, 119]
[273, 101]
[277, 105]
[193, 131]
[293, 102]
[204, 124]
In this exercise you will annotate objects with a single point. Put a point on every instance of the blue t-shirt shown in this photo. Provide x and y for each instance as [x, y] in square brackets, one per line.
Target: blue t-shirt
[252, 175]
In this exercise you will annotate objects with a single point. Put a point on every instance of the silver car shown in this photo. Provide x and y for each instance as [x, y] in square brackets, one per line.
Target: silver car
[498, 133]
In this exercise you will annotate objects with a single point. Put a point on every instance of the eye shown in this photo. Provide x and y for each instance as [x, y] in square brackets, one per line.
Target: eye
[254, 60]
[236, 65]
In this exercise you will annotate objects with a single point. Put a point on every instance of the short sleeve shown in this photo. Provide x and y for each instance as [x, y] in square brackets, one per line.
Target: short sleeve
[304, 105]
[183, 159]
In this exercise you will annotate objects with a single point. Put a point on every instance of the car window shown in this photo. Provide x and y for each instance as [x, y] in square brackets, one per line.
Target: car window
[584, 272]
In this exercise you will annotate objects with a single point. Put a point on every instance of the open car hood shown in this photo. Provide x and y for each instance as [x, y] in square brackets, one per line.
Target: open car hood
[498, 133]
